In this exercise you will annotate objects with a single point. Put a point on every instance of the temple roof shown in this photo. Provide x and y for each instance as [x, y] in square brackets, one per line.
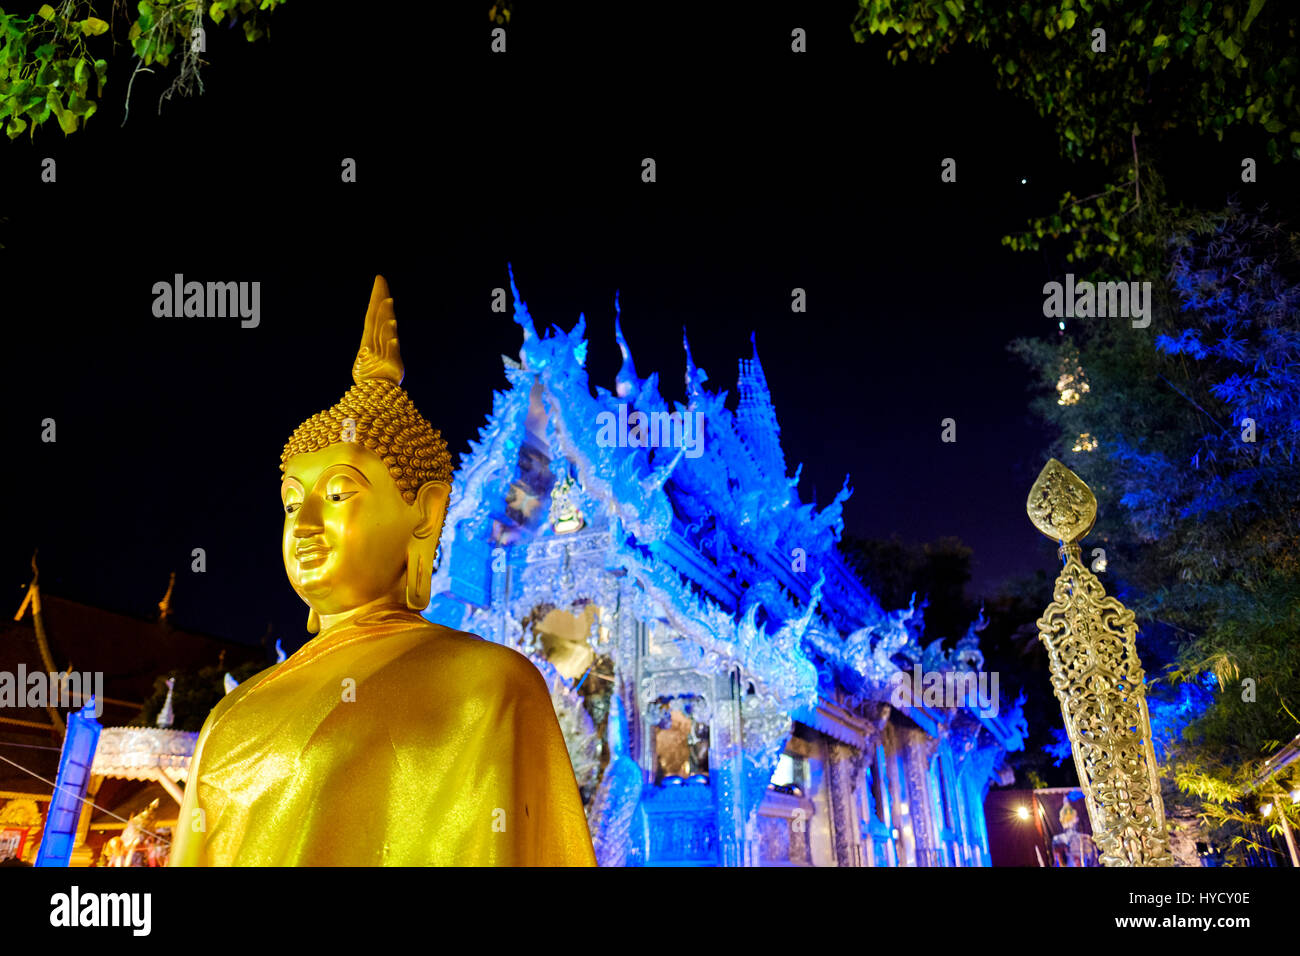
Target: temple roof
[129, 651]
[713, 532]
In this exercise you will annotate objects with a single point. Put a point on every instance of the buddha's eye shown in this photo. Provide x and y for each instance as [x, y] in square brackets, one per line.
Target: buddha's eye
[339, 496]
[292, 506]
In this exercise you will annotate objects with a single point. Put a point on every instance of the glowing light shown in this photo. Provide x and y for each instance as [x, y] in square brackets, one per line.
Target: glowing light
[1295, 795]
[1071, 386]
[1022, 812]
[1266, 809]
[1085, 442]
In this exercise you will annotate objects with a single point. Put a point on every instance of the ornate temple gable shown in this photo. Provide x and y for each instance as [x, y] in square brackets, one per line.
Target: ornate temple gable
[479, 487]
[712, 550]
[714, 534]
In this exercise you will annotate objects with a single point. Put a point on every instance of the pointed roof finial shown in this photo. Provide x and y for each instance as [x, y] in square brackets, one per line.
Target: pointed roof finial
[166, 716]
[626, 382]
[756, 416]
[522, 318]
[33, 597]
[695, 377]
[165, 605]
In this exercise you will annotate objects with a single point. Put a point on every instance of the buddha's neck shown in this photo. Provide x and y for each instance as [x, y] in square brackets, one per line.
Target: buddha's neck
[395, 598]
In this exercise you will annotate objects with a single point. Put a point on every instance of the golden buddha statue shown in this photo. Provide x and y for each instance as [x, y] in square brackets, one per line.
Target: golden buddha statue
[385, 739]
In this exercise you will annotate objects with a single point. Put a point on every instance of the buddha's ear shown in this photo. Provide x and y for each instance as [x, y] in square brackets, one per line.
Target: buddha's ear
[431, 502]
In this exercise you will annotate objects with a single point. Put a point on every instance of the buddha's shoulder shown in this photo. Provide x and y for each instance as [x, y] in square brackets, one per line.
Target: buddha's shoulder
[467, 657]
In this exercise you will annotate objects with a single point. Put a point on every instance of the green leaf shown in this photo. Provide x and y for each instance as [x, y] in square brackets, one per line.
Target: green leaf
[16, 127]
[54, 104]
[93, 26]
[1251, 14]
[46, 12]
[1229, 48]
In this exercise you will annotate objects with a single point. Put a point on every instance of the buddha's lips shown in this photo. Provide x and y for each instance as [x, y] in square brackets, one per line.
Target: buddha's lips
[309, 554]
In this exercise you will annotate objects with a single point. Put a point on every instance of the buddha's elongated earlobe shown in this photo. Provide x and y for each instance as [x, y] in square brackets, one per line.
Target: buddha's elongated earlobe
[419, 576]
[422, 550]
[313, 622]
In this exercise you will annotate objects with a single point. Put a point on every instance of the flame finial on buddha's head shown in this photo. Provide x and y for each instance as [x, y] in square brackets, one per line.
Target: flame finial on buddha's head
[376, 412]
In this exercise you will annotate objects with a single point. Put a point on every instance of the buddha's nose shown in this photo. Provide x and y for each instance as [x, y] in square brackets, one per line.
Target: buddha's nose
[309, 519]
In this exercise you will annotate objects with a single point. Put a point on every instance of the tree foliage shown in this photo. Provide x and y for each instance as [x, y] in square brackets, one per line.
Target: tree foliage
[1165, 65]
[49, 60]
[1204, 68]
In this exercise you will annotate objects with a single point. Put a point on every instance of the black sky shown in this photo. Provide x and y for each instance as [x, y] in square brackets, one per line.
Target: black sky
[774, 171]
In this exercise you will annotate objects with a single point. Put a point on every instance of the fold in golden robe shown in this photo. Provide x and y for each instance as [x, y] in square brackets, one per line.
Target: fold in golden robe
[386, 740]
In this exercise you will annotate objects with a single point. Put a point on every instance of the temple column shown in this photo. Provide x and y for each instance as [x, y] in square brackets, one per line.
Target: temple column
[921, 803]
[845, 774]
[881, 798]
[726, 766]
[954, 809]
[979, 835]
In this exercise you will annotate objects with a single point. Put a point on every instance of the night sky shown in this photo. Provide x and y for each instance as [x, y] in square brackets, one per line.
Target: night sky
[774, 171]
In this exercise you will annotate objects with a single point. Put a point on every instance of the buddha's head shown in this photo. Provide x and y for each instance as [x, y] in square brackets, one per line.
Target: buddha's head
[365, 487]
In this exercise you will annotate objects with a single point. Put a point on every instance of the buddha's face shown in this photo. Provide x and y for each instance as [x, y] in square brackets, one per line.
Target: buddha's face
[347, 528]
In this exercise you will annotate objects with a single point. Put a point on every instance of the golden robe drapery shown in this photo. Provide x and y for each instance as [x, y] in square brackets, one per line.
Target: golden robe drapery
[385, 740]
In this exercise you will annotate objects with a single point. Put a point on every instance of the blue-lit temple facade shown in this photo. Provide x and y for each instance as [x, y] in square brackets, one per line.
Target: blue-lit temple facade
[722, 676]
